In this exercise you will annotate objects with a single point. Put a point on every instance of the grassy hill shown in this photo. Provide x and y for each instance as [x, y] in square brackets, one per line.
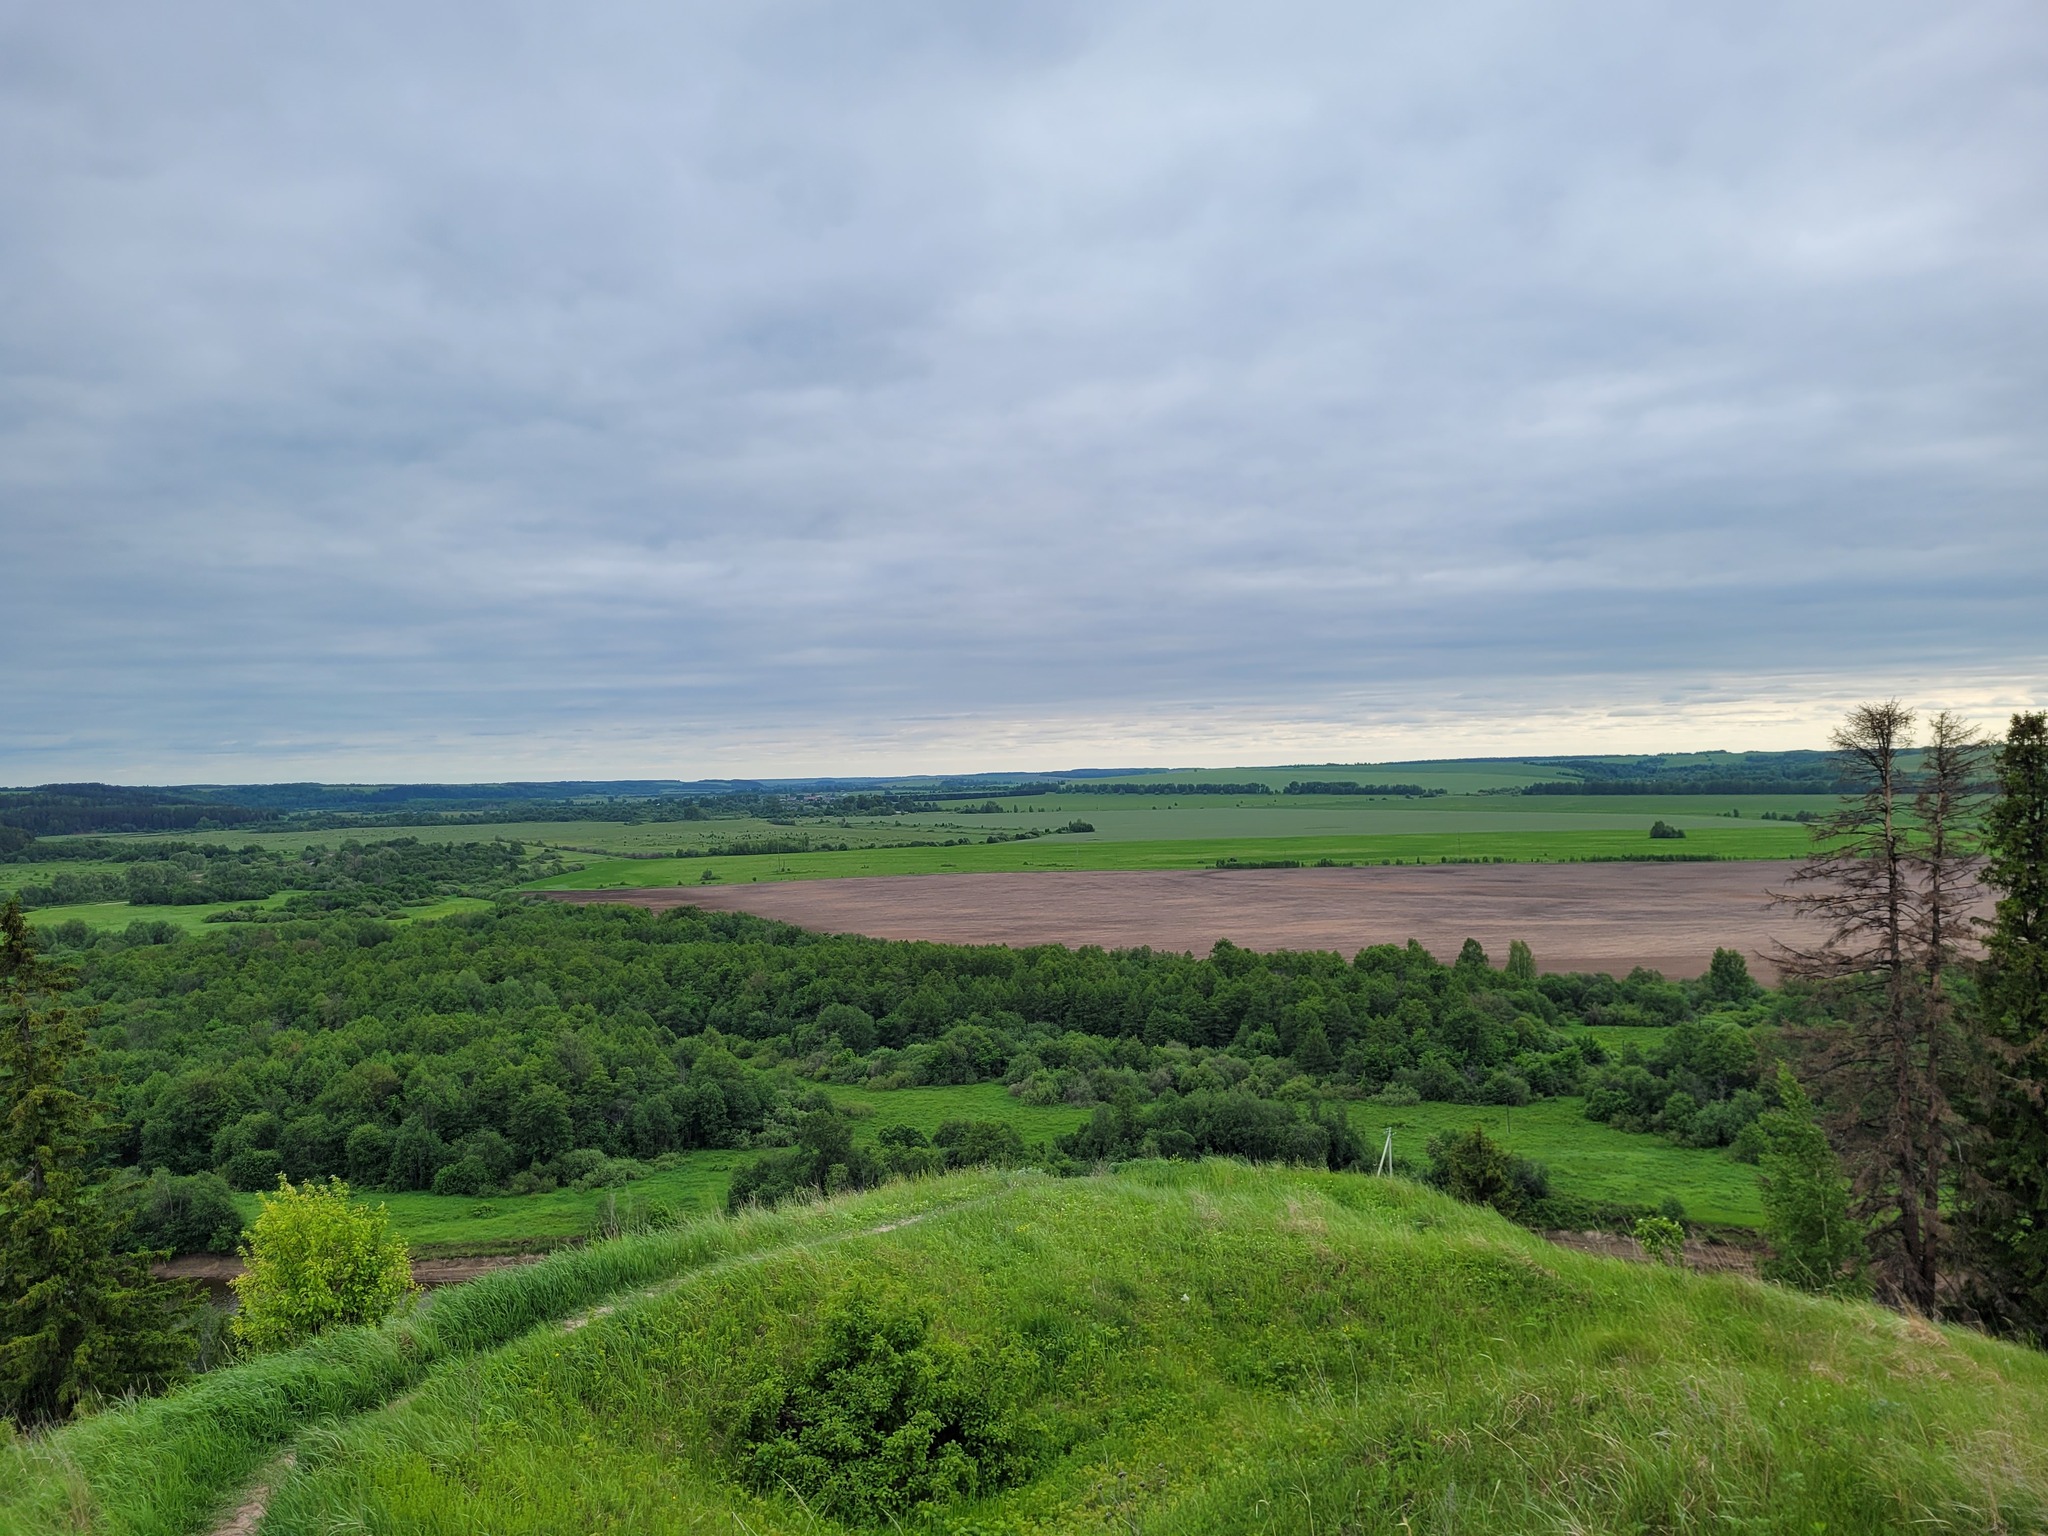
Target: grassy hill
[1171, 1348]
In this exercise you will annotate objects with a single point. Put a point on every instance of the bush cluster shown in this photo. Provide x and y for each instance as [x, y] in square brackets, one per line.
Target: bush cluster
[882, 1417]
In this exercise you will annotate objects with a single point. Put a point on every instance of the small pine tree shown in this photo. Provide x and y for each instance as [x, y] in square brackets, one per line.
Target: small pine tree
[79, 1319]
[316, 1260]
[1817, 1245]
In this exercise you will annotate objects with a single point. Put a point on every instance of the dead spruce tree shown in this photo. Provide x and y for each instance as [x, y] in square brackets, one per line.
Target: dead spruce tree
[1889, 884]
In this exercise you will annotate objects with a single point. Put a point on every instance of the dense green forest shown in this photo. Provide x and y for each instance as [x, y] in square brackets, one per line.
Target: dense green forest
[533, 1046]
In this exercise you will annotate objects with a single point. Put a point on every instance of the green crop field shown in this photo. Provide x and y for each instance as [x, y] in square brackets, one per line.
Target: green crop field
[1728, 840]
[1472, 819]
[1173, 1348]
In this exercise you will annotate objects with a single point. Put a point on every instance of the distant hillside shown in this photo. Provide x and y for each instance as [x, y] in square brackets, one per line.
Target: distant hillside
[51, 810]
[1170, 1348]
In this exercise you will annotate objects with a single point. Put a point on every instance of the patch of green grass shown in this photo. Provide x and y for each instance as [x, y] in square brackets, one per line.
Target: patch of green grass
[1587, 1160]
[1729, 841]
[438, 1226]
[1217, 1349]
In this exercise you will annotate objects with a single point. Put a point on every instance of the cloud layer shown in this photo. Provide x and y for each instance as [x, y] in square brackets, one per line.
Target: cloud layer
[479, 389]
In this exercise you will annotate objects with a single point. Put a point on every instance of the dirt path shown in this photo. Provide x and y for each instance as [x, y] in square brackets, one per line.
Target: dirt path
[1577, 917]
[256, 1502]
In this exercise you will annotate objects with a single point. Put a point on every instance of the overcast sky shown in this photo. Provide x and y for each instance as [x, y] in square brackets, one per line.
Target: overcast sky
[472, 391]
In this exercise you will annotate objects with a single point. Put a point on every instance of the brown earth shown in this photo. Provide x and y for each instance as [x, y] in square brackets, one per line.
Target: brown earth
[1715, 1255]
[215, 1270]
[1577, 917]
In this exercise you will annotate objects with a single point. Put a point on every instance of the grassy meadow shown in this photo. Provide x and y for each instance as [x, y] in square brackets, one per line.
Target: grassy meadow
[1587, 1160]
[1171, 1348]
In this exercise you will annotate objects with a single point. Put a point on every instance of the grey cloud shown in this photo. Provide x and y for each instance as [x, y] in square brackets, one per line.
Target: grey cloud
[779, 387]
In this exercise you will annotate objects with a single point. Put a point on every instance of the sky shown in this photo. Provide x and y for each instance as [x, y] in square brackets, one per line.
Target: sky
[483, 391]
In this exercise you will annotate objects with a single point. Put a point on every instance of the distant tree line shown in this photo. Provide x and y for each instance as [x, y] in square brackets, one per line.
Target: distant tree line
[1723, 773]
[1353, 787]
[1172, 789]
[58, 810]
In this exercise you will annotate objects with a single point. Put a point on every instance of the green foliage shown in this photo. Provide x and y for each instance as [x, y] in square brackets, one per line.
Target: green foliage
[184, 1215]
[1205, 1123]
[881, 1417]
[315, 1260]
[80, 1319]
[2005, 1221]
[385, 1049]
[1661, 1238]
[1728, 979]
[1521, 966]
[824, 1161]
[360, 877]
[1696, 1084]
[1816, 1245]
[1471, 1166]
[1661, 830]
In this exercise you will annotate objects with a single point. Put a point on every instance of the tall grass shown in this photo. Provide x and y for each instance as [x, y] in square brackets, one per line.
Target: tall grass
[1212, 1348]
[169, 1465]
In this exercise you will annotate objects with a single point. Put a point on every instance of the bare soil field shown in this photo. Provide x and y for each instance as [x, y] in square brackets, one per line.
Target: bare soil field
[1577, 917]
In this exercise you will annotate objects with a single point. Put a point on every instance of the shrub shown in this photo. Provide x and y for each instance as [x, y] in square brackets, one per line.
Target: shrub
[979, 1143]
[1661, 1239]
[185, 1215]
[1664, 829]
[881, 1418]
[464, 1176]
[316, 1260]
[1473, 1167]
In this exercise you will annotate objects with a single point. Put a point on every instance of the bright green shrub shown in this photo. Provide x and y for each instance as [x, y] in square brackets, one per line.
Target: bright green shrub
[1661, 1239]
[317, 1260]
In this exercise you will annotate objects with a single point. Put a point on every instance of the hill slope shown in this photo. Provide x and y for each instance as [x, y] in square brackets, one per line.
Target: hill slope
[1168, 1348]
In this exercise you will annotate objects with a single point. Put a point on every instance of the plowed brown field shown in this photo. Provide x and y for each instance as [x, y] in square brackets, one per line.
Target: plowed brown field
[1577, 917]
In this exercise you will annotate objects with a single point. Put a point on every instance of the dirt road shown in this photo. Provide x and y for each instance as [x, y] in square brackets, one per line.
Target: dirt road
[1577, 917]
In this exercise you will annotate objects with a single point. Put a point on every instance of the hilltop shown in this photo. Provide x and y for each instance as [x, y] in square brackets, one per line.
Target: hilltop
[1204, 1347]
